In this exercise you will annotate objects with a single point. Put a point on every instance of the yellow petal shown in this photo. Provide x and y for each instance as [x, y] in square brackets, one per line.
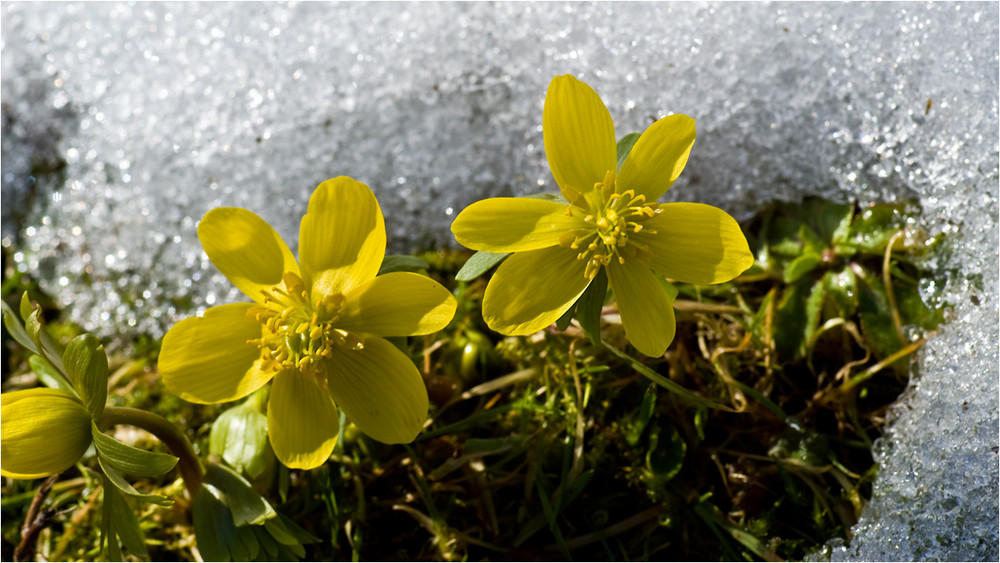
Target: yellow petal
[341, 238]
[658, 157]
[397, 304]
[380, 390]
[531, 290]
[646, 311]
[696, 243]
[44, 432]
[579, 136]
[512, 224]
[208, 360]
[302, 420]
[245, 249]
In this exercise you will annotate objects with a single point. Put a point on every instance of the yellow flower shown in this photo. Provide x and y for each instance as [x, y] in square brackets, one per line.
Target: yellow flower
[613, 221]
[45, 431]
[315, 327]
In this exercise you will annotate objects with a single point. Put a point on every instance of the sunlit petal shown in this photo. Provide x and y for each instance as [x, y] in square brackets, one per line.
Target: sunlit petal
[245, 249]
[208, 360]
[44, 432]
[510, 224]
[646, 311]
[696, 243]
[341, 238]
[658, 157]
[380, 390]
[531, 290]
[398, 304]
[579, 136]
[302, 420]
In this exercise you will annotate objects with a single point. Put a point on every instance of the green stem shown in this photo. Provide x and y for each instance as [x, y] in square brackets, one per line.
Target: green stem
[175, 440]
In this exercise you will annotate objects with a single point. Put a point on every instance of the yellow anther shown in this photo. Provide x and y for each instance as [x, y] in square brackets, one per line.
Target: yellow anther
[316, 333]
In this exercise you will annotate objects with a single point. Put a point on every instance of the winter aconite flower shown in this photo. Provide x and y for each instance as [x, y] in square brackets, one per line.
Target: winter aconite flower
[45, 431]
[613, 221]
[315, 327]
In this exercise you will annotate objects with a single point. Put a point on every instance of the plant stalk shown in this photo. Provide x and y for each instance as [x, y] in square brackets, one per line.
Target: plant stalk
[172, 437]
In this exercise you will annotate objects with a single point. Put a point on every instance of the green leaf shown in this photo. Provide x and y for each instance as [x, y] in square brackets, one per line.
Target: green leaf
[87, 367]
[670, 288]
[115, 477]
[625, 145]
[835, 222]
[783, 236]
[665, 455]
[120, 522]
[812, 240]
[633, 432]
[801, 266]
[129, 460]
[15, 328]
[214, 529]
[47, 347]
[876, 225]
[667, 384]
[48, 374]
[842, 288]
[567, 317]
[239, 436]
[245, 504]
[402, 263]
[25, 307]
[790, 322]
[588, 307]
[478, 264]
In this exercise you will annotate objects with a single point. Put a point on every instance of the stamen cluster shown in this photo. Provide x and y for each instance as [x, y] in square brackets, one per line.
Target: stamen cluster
[299, 334]
[613, 216]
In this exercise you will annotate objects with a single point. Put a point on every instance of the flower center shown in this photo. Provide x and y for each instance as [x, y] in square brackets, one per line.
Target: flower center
[299, 334]
[612, 217]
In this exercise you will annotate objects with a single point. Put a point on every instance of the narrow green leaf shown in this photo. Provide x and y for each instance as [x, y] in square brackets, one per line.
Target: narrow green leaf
[213, 525]
[801, 266]
[789, 325]
[123, 523]
[109, 536]
[47, 347]
[25, 307]
[588, 307]
[115, 477]
[567, 317]
[402, 263]
[48, 374]
[129, 460]
[667, 384]
[87, 367]
[245, 504]
[633, 433]
[625, 145]
[478, 264]
[15, 328]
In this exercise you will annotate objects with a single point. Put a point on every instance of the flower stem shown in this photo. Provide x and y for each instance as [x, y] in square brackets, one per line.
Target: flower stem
[171, 436]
